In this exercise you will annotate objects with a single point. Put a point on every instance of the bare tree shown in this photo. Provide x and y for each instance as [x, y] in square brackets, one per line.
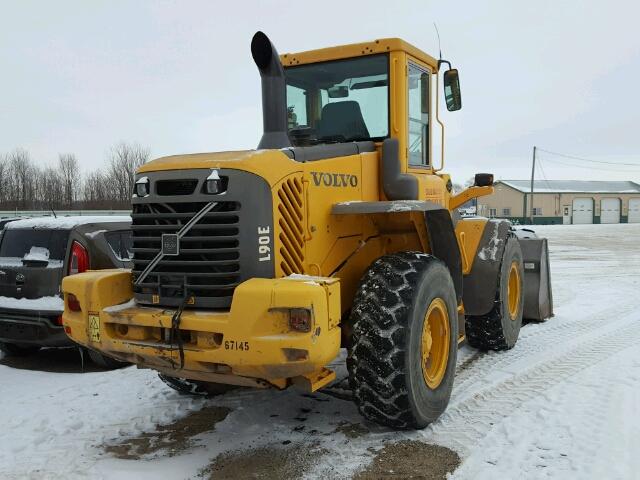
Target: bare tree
[4, 181]
[20, 176]
[96, 190]
[69, 172]
[51, 189]
[124, 160]
[23, 185]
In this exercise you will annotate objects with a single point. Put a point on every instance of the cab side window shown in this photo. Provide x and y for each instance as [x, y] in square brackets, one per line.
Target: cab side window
[418, 124]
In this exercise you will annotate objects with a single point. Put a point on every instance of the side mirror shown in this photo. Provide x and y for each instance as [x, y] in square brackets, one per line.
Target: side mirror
[452, 90]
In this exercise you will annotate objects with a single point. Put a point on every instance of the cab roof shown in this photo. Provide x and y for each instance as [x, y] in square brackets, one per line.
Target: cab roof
[340, 52]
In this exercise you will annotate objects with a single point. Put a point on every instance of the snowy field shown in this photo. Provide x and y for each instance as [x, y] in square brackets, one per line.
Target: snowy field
[564, 403]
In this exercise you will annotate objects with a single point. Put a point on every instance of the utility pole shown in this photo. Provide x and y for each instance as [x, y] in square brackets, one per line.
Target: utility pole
[533, 172]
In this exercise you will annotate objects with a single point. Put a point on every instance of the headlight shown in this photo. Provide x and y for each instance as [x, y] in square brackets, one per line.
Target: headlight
[142, 187]
[214, 185]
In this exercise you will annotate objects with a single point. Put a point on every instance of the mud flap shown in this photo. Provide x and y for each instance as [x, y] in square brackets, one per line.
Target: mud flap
[538, 298]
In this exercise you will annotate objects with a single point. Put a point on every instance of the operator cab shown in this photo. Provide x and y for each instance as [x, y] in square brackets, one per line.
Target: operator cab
[367, 92]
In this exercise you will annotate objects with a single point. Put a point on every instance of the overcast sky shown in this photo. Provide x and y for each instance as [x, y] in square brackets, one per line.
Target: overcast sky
[178, 76]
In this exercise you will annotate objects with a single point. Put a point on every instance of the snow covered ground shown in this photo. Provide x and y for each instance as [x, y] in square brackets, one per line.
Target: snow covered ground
[563, 403]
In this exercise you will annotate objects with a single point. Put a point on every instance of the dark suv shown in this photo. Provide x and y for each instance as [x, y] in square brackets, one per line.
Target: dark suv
[35, 254]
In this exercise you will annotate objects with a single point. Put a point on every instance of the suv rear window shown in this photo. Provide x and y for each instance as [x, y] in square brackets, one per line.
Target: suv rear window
[121, 243]
[17, 243]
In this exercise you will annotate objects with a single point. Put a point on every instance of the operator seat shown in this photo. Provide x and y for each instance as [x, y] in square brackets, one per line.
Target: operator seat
[342, 119]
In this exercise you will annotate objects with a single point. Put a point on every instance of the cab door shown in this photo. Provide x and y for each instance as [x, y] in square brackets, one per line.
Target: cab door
[418, 149]
[420, 89]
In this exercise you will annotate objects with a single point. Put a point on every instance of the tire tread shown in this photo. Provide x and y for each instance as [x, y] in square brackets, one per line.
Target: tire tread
[379, 319]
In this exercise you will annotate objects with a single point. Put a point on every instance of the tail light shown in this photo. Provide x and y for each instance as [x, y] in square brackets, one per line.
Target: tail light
[300, 319]
[59, 320]
[73, 303]
[79, 260]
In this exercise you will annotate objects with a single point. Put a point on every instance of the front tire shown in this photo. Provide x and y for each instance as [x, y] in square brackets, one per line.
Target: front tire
[499, 329]
[403, 352]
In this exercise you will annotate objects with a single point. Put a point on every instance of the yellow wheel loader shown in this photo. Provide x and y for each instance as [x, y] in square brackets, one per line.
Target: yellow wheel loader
[254, 268]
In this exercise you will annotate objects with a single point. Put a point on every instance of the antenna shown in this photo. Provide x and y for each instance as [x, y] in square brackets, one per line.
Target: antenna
[440, 60]
[438, 34]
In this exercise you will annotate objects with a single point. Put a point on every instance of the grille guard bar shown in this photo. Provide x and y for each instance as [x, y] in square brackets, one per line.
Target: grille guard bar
[181, 233]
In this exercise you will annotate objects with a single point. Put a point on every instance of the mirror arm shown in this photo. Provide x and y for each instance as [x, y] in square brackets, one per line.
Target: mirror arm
[441, 61]
[438, 119]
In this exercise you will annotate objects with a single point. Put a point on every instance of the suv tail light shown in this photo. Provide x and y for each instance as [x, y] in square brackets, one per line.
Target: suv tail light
[79, 259]
[73, 303]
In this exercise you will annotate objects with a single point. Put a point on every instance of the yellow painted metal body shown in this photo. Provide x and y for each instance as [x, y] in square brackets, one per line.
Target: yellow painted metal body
[253, 339]
[308, 240]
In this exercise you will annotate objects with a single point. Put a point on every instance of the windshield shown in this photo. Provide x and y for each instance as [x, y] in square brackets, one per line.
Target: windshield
[338, 101]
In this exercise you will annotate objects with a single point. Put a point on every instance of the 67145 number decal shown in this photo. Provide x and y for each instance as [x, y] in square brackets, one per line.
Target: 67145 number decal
[235, 345]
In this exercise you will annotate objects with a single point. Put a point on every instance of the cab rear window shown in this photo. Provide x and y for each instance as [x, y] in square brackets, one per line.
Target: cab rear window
[17, 243]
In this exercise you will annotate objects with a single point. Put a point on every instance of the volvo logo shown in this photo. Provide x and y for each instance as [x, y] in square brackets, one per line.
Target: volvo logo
[334, 179]
[170, 244]
[20, 278]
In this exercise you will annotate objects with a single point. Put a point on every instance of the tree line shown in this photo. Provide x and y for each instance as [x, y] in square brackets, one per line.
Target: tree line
[24, 185]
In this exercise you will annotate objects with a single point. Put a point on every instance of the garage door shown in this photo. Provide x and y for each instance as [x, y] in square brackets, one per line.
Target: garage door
[582, 210]
[634, 210]
[610, 210]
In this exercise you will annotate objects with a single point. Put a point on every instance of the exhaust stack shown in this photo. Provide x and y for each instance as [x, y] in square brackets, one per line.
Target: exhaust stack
[274, 93]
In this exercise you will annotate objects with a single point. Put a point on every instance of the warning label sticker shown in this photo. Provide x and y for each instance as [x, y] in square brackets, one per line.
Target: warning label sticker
[94, 327]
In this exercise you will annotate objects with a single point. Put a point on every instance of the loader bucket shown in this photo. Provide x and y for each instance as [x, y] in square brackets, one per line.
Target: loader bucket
[538, 299]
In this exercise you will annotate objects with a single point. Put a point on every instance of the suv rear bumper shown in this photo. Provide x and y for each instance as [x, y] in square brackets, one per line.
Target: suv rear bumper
[251, 344]
[32, 328]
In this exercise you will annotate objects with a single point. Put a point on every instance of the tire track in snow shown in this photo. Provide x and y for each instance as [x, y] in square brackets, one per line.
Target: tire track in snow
[467, 422]
[544, 337]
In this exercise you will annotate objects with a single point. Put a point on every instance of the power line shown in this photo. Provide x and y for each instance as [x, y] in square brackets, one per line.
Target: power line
[574, 157]
[543, 174]
[592, 167]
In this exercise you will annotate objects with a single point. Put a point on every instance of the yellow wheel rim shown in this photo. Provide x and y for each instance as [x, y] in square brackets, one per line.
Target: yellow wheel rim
[513, 290]
[435, 343]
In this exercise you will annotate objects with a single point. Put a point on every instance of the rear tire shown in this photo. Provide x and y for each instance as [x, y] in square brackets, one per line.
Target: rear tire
[404, 345]
[196, 387]
[13, 350]
[499, 329]
[104, 361]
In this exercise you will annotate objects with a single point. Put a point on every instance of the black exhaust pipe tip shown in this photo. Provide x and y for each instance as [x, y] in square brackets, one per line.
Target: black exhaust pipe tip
[261, 50]
[274, 93]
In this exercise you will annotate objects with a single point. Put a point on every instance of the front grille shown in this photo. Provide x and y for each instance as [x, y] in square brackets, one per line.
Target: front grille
[175, 187]
[221, 250]
[208, 265]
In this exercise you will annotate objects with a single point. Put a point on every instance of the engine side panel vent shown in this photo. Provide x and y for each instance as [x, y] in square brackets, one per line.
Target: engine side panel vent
[289, 221]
